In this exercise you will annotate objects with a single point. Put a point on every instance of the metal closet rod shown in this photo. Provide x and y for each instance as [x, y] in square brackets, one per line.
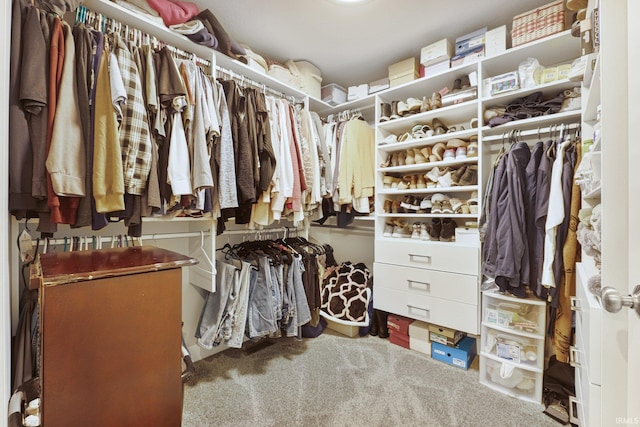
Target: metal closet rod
[89, 17]
[86, 240]
[533, 132]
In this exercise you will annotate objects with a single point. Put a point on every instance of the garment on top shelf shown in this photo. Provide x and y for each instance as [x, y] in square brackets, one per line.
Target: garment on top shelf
[174, 12]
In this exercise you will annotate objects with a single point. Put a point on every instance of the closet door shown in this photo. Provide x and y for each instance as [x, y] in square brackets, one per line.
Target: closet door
[620, 227]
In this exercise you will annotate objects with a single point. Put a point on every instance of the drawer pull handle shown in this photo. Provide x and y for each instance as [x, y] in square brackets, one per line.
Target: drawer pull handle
[573, 357]
[420, 258]
[423, 286]
[573, 411]
[575, 304]
[423, 310]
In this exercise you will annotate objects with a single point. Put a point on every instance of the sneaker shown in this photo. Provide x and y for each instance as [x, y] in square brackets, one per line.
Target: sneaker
[425, 205]
[415, 204]
[424, 232]
[415, 234]
[456, 205]
[406, 202]
[388, 229]
[461, 153]
[448, 230]
[449, 154]
[445, 180]
[435, 229]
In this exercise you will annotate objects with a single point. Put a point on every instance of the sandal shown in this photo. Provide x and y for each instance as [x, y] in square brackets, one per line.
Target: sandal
[438, 127]
[410, 157]
[405, 137]
[426, 105]
[473, 203]
[419, 158]
[426, 152]
[414, 104]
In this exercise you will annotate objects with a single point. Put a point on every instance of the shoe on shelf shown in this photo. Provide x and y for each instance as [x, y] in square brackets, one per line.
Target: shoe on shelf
[419, 158]
[446, 207]
[436, 207]
[394, 110]
[410, 158]
[386, 208]
[401, 229]
[390, 139]
[473, 203]
[435, 229]
[415, 233]
[438, 151]
[425, 205]
[422, 183]
[426, 104]
[412, 180]
[406, 202]
[456, 142]
[426, 152]
[470, 176]
[424, 231]
[445, 180]
[385, 111]
[388, 229]
[403, 108]
[436, 100]
[465, 83]
[457, 174]
[438, 127]
[396, 208]
[402, 158]
[449, 155]
[414, 104]
[448, 230]
[461, 153]
[457, 84]
[456, 204]
[472, 149]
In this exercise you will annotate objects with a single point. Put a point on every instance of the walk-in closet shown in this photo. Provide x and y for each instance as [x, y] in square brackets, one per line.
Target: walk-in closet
[319, 213]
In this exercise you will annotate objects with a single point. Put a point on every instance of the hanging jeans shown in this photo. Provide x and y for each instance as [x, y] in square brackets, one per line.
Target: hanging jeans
[240, 314]
[209, 325]
[261, 319]
[303, 314]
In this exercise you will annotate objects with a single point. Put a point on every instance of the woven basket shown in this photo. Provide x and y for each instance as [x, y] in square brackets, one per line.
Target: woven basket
[538, 23]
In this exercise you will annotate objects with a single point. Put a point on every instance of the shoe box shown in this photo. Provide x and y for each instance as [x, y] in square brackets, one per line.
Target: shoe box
[419, 337]
[357, 92]
[399, 339]
[461, 355]
[437, 52]
[403, 72]
[445, 336]
[398, 324]
[399, 330]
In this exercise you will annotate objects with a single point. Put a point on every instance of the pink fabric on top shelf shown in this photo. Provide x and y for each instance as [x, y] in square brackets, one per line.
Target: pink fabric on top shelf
[174, 12]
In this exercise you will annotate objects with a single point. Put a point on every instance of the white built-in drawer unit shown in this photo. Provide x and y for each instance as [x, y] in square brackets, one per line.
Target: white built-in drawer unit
[586, 353]
[450, 286]
[452, 314]
[441, 256]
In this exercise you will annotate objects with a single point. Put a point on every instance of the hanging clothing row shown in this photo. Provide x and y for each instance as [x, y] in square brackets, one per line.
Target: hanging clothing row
[266, 288]
[531, 206]
[350, 172]
[125, 131]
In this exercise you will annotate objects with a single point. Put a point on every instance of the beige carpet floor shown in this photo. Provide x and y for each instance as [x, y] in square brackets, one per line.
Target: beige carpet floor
[334, 380]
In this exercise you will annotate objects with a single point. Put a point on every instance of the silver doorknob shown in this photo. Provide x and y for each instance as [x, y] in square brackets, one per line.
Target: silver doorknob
[613, 300]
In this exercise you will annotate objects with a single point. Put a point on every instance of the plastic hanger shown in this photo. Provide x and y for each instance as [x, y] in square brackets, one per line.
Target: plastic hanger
[212, 269]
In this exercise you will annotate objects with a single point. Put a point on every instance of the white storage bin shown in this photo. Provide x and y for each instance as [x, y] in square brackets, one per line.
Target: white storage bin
[334, 94]
[512, 380]
[518, 349]
[512, 313]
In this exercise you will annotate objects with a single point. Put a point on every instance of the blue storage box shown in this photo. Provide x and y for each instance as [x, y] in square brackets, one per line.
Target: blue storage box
[461, 355]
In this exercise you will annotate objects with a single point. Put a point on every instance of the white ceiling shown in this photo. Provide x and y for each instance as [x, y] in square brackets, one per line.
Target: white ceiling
[354, 43]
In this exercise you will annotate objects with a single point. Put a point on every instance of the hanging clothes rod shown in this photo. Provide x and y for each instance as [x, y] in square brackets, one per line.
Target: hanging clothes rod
[535, 132]
[104, 23]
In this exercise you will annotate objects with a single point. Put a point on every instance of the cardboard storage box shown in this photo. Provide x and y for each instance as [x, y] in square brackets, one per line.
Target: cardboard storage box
[378, 85]
[495, 41]
[435, 68]
[348, 330]
[419, 344]
[445, 335]
[357, 92]
[334, 94]
[399, 339]
[468, 57]
[403, 72]
[419, 330]
[436, 52]
[471, 41]
[461, 355]
[398, 324]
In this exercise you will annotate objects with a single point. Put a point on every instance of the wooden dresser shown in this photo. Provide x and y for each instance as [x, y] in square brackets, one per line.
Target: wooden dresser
[110, 323]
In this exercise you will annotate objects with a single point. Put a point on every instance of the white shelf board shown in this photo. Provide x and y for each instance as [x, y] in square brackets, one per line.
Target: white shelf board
[548, 88]
[533, 123]
[432, 140]
[449, 116]
[593, 95]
